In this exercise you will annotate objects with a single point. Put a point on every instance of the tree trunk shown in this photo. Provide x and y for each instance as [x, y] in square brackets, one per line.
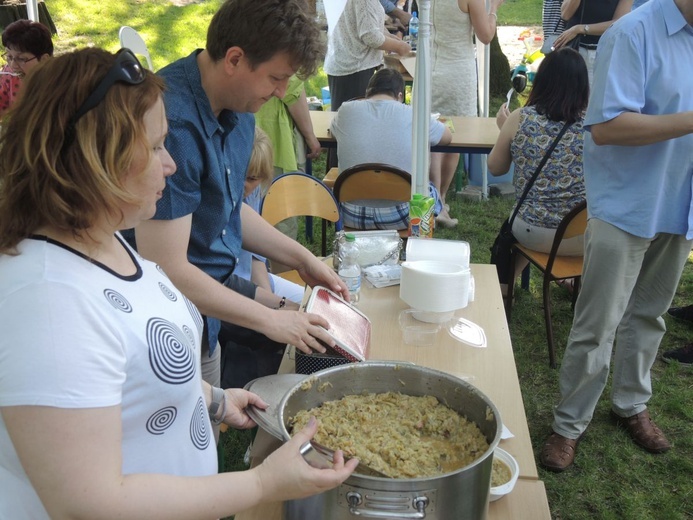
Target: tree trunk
[499, 73]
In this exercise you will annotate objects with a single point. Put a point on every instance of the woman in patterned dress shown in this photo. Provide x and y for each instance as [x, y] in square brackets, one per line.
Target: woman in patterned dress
[559, 95]
[103, 411]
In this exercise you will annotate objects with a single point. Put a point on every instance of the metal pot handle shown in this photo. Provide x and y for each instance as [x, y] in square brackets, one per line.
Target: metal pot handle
[354, 499]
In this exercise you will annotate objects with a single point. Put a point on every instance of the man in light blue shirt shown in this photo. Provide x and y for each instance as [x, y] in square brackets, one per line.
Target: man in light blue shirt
[638, 163]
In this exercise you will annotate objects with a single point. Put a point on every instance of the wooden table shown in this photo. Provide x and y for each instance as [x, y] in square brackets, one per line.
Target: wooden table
[471, 134]
[491, 369]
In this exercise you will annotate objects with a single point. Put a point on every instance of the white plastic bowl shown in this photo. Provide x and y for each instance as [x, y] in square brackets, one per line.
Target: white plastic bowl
[500, 491]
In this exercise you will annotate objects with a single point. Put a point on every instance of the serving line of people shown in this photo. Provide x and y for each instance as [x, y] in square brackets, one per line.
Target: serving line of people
[112, 416]
[125, 369]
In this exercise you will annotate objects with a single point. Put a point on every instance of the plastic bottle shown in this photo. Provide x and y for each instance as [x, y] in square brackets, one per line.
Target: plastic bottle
[320, 17]
[350, 270]
[413, 30]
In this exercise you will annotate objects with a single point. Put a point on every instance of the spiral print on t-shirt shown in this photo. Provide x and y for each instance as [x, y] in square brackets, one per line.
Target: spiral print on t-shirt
[189, 333]
[158, 268]
[168, 292]
[170, 353]
[161, 420]
[200, 426]
[117, 300]
[196, 316]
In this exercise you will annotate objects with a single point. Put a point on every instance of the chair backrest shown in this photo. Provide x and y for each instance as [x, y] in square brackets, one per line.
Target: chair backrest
[573, 224]
[297, 194]
[131, 39]
[373, 181]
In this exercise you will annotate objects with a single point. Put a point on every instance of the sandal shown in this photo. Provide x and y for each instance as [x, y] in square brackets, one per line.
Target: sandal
[558, 453]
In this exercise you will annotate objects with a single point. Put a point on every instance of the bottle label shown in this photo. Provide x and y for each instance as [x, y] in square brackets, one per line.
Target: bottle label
[353, 283]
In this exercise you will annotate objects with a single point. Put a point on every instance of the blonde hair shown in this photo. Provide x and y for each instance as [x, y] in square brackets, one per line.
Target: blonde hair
[43, 184]
[261, 165]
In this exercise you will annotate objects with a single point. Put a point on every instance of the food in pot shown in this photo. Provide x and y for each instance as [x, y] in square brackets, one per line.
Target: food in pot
[500, 474]
[399, 435]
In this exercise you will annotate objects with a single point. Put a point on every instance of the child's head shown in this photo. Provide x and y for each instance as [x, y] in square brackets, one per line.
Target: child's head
[261, 166]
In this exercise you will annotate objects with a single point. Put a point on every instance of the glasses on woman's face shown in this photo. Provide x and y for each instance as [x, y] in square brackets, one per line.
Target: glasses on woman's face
[125, 69]
[16, 59]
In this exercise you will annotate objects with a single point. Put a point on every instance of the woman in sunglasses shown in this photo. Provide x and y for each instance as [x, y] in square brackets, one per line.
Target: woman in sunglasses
[26, 44]
[103, 412]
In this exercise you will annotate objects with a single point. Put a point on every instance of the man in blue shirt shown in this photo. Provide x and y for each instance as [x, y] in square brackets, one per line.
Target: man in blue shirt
[252, 50]
[395, 12]
[638, 162]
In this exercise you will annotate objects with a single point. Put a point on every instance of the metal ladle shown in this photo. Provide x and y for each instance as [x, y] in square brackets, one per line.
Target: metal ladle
[320, 456]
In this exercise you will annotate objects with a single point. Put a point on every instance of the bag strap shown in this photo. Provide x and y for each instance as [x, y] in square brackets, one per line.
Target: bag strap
[536, 172]
[582, 15]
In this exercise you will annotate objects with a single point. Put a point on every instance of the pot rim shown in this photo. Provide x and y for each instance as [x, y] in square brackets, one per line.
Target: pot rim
[433, 372]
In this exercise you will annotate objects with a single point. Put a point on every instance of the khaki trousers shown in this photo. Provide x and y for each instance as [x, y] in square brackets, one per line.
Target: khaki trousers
[628, 282]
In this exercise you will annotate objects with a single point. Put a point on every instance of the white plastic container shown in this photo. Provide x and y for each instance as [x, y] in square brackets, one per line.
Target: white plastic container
[435, 288]
[500, 491]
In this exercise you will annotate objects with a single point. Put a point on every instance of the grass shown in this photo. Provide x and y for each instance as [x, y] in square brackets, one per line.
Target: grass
[612, 478]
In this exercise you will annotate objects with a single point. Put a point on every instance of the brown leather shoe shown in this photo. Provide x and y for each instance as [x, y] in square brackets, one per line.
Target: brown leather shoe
[644, 431]
[558, 453]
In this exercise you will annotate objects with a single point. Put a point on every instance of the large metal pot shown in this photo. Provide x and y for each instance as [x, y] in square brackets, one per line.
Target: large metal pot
[462, 494]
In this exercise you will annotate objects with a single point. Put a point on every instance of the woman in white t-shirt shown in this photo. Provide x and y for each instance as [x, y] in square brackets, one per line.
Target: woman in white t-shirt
[103, 412]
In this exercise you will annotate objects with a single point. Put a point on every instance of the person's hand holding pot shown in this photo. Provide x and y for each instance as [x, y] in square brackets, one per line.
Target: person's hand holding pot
[285, 474]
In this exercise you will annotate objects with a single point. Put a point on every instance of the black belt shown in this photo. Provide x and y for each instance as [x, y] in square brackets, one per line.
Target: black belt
[591, 46]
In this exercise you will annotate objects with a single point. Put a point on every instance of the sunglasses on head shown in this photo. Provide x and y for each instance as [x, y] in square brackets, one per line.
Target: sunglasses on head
[125, 69]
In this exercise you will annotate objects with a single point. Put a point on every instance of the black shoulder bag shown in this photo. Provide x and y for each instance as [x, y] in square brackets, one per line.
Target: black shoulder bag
[575, 42]
[549, 39]
[501, 248]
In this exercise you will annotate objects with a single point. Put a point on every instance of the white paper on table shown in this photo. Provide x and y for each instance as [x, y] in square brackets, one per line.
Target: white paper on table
[383, 275]
[409, 63]
[506, 434]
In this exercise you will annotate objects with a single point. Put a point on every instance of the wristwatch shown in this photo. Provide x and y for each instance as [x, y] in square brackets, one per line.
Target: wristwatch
[586, 29]
[218, 405]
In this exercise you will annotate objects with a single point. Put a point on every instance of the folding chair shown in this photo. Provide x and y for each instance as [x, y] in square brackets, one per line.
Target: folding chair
[553, 267]
[295, 195]
[131, 39]
[370, 184]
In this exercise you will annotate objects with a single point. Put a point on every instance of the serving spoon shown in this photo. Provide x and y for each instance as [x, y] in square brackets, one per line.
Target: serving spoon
[320, 456]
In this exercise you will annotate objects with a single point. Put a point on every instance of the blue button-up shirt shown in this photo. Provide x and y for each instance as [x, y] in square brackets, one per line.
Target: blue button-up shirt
[642, 66]
[212, 156]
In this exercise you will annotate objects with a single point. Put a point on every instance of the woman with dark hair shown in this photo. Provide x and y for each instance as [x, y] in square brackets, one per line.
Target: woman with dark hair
[103, 410]
[378, 129]
[26, 44]
[559, 95]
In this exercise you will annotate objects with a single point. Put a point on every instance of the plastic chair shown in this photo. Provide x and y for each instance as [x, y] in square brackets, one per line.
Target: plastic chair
[554, 267]
[373, 181]
[297, 194]
[131, 39]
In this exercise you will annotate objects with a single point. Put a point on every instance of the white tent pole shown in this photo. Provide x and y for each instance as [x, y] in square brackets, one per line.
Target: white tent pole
[483, 54]
[32, 10]
[485, 113]
[421, 103]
